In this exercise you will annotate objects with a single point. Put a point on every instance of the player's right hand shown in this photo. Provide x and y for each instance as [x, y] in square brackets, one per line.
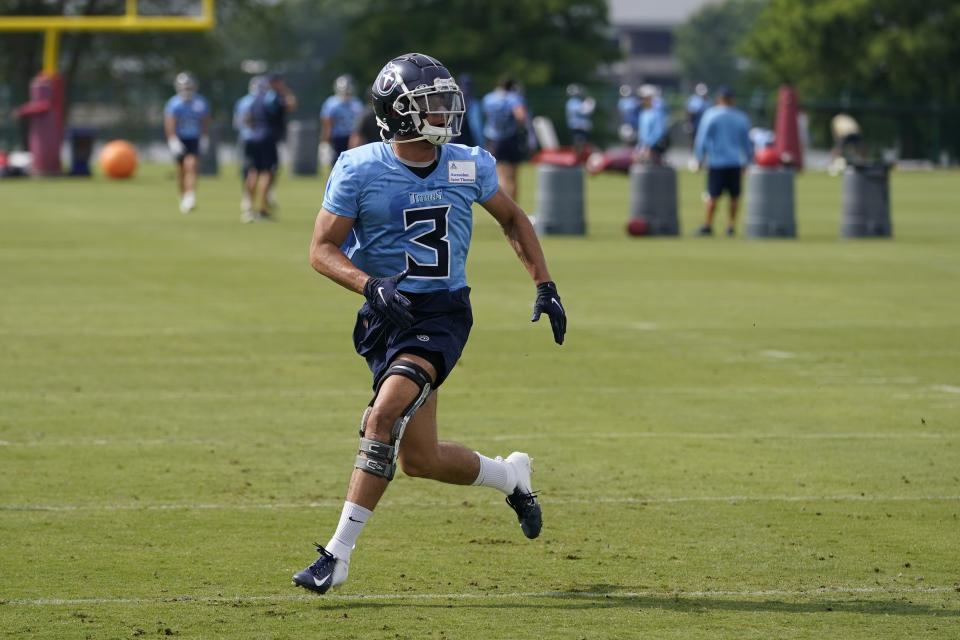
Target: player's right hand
[548, 302]
[384, 298]
[175, 145]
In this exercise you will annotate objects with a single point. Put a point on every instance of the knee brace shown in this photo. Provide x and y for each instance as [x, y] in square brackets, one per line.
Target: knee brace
[379, 458]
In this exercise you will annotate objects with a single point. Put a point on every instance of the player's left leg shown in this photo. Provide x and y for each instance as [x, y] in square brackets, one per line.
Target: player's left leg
[401, 393]
[732, 224]
[423, 455]
[188, 200]
[733, 188]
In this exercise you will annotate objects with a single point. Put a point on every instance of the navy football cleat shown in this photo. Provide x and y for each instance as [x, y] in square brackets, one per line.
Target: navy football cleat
[523, 500]
[326, 572]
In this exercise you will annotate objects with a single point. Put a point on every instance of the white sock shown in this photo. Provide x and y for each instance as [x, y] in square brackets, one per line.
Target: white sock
[352, 519]
[496, 473]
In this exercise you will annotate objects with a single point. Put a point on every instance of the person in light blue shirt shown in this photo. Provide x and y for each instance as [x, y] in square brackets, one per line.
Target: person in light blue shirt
[395, 226]
[186, 124]
[340, 116]
[504, 127]
[628, 106]
[723, 142]
[697, 104]
[579, 111]
[652, 127]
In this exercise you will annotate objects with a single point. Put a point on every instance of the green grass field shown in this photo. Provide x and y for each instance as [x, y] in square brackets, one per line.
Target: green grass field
[740, 439]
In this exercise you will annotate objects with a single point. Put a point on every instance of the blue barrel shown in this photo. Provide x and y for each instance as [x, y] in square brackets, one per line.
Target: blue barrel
[559, 200]
[304, 145]
[653, 197]
[770, 203]
[866, 202]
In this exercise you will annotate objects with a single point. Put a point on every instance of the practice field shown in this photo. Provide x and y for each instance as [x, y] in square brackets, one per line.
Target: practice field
[740, 439]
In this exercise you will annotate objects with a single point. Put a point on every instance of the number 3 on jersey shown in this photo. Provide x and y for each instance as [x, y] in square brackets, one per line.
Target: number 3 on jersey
[434, 239]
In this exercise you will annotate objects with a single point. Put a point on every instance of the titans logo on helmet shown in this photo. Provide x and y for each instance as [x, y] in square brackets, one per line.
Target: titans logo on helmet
[388, 79]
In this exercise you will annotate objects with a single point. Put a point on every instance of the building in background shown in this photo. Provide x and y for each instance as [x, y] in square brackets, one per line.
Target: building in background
[644, 31]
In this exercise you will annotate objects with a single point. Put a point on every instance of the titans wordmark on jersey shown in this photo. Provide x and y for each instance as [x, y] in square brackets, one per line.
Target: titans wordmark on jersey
[403, 221]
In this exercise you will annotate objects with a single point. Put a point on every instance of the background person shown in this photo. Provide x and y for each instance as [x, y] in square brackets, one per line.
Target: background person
[340, 116]
[579, 111]
[186, 124]
[628, 108]
[266, 119]
[242, 122]
[471, 133]
[847, 142]
[505, 121]
[417, 317]
[283, 102]
[697, 104]
[367, 130]
[723, 138]
[652, 127]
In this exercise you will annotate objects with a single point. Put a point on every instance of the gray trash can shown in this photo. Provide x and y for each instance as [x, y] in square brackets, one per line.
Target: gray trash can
[653, 197]
[209, 165]
[303, 137]
[866, 202]
[770, 203]
[559, 200]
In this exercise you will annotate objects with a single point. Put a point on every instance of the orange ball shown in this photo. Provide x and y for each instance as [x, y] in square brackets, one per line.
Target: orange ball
[118, 159]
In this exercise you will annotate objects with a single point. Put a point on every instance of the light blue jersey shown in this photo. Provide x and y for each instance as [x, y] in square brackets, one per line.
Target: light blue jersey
[344, 115]
[651, 126]
[498, 118]
[242, 120]
[629, 109]
[407, 222]
[724, 138]
[578, 118]
[188, 115]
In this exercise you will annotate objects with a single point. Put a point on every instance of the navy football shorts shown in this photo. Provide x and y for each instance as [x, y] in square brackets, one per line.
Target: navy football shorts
[339, 145]
[191, 147]
[441, 326]
[724, 179]
[261, 155]
[509, 149]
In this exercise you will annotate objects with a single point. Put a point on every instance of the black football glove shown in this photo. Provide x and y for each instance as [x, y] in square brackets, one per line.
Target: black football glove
[384, 298]
[548, 302]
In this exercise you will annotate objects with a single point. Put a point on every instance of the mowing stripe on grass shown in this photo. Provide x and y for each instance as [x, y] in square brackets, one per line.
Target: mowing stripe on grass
[815, 591]
[135, 442]
[459, 503]
[174, 394]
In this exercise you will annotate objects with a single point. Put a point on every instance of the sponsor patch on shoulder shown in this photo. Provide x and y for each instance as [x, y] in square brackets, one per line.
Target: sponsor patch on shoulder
[461, 171]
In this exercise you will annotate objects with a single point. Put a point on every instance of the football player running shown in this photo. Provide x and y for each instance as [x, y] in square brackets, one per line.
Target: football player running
[395, 226]
[186, 123]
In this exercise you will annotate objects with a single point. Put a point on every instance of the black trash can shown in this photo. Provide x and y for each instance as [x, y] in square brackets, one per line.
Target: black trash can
[866, 202]
[81, 148]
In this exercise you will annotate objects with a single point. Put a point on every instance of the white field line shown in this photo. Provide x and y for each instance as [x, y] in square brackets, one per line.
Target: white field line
[459, 503]
[643, 435]
[764, 593]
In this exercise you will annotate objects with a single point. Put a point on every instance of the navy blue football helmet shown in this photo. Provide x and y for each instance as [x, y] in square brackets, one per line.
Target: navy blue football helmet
[410, 89]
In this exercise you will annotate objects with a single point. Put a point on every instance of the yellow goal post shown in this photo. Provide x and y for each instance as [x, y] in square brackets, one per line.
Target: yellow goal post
[131, 20]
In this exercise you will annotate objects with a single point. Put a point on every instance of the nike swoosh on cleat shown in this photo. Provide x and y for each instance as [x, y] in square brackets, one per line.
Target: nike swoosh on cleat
[320, 583]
